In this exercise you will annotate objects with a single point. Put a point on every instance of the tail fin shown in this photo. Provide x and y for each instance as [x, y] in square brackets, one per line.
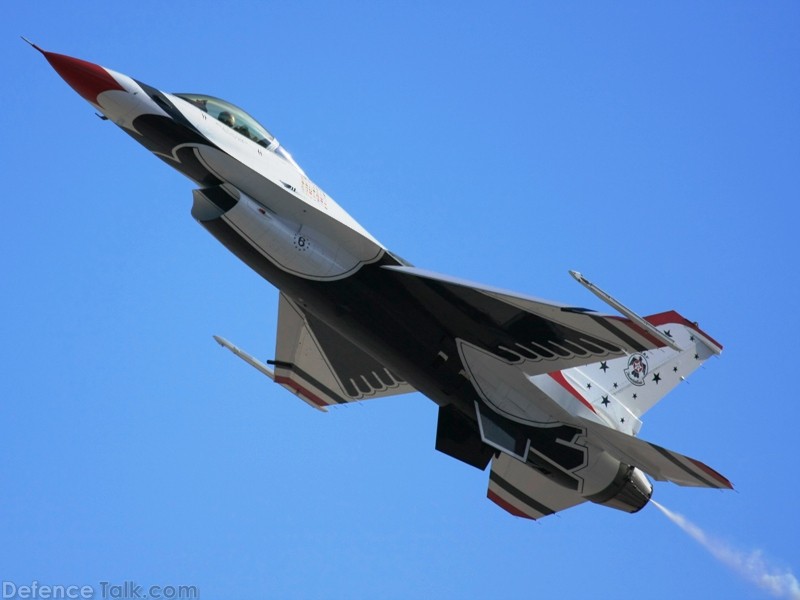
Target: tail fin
[631, 385]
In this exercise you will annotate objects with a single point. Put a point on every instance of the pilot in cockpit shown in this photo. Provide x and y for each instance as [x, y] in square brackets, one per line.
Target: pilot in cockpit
[227, 118]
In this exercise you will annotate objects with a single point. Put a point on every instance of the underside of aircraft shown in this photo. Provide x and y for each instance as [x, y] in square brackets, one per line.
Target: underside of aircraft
[550, 396]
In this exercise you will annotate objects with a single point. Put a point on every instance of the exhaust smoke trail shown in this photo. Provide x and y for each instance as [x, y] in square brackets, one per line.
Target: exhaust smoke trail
[753, 566]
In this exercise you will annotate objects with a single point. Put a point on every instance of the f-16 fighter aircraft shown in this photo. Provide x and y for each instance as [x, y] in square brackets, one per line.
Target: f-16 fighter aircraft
[550, 395]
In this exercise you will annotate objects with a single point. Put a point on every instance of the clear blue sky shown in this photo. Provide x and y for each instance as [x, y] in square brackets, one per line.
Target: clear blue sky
[654, 148]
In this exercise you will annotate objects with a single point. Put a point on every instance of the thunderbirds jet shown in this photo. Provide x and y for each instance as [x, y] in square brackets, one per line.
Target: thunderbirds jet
[550, 395]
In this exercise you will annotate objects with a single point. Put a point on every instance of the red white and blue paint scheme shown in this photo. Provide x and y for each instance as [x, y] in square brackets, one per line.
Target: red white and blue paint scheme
[550, 395]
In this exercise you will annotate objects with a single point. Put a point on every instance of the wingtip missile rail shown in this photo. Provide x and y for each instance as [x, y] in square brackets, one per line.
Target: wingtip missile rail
[249, 359]
[616, 304]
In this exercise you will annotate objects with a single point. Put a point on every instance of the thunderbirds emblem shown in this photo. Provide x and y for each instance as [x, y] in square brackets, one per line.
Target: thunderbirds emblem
[637, 369]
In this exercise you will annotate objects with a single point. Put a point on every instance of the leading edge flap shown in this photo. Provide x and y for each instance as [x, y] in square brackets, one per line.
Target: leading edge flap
[321, 366]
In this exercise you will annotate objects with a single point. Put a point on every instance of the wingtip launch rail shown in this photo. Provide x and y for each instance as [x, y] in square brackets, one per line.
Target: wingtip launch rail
[248, 358]
[616, 304]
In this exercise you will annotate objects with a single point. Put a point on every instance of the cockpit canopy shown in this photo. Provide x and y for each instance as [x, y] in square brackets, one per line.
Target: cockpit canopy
[238, 120]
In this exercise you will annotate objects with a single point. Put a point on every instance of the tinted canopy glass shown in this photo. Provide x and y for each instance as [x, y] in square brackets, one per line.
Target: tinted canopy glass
[233, 116]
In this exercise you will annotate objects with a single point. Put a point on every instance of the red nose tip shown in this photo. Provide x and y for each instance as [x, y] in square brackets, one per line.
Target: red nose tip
[88, 79]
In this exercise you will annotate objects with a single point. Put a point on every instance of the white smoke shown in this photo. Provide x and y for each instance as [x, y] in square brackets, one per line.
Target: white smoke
[752, 566]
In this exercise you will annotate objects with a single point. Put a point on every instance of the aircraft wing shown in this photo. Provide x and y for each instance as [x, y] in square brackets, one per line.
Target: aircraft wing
[322, 367]
[546, 336]
[522, 491]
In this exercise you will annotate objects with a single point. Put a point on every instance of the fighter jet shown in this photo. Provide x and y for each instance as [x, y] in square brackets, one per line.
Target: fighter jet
[550, 395]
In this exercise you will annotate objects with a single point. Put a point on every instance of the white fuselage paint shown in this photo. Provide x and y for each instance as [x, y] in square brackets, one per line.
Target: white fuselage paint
[300, 228]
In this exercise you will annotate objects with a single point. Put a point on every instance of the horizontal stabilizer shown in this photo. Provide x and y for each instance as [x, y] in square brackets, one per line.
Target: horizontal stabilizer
[521, 490]
[660, 463]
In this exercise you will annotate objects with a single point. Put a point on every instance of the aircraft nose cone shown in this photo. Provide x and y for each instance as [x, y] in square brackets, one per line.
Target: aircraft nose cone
[88, 79]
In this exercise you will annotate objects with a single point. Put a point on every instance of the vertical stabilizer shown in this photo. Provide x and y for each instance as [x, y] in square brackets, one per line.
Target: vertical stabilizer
[633, 384]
